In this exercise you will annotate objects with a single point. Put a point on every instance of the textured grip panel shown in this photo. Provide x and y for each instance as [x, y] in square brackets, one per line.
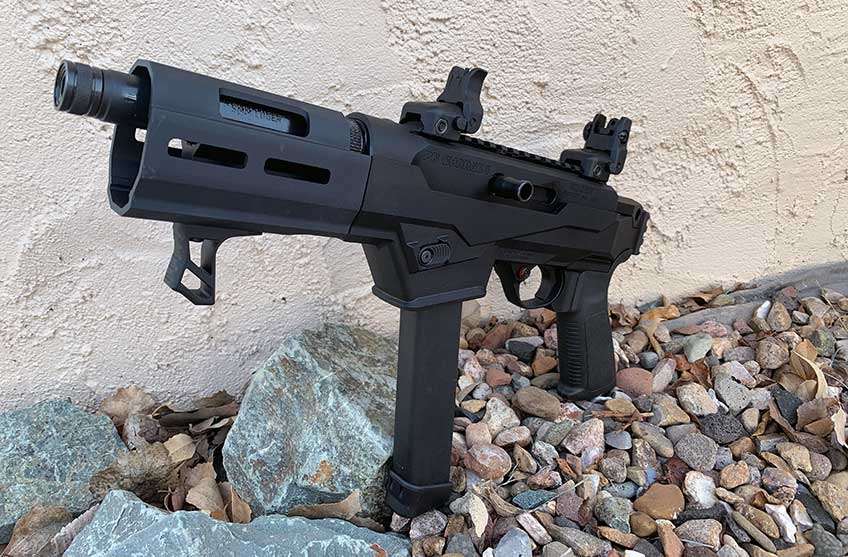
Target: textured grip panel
[586, 363]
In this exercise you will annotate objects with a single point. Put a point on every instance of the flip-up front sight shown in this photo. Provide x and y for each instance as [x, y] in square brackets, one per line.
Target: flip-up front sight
[116, 97]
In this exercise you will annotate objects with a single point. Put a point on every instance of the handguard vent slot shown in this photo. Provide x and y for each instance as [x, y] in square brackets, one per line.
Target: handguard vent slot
[297, 171]
[202, 152]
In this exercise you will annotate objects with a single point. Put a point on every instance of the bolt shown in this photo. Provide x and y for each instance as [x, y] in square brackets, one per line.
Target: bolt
[425, 256]
[622, 136]
[596, 171]
[441, 126]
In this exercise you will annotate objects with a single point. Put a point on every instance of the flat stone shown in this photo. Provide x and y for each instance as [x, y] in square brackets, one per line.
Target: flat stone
[534, 528]
[824, 342]
[760, 519]
[814, 508]
[488, 461]
[663, 374]
[316, 422]
[750, 419]
[796, 456]
[533, 498]
[756, 534]
[661, 501]
[667, 412]
[461, 544]
[740, 354]
[124, 525]
[722, 428]
[586, 440]
[537, 402]
[557, 432]
[672, 546]
[700, 489]
[784, 523]
[694, 399]
[778, 317]
[707, 532]
[48, 453]
[626, 489]
[524, 347]
[676, 432]
[583, 544]
[431, 523]
[642, 525]
[698, 451]
[499, 416]
[556, 549]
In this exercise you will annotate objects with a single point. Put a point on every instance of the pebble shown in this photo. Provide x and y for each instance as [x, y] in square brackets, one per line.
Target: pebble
[698, 451]
[613, 469]
[736, 396]
[537, 402]
[461, 545]
[635, 381]
[524, 347]
[555, 433]
[642, 525]
[796, 455]
[740, 354]
[671, 544]
[784, 523]
[750, 419]
[427, 524]
[826, 544]
[754, 532]
[706, 531]
[815, 509]
[626, 489]
[614, 512]
[778, 317]
[545, 453]
[663, 374]
[667, 412]
[661, 501]
[771, 353]
[734, 475]
[477, 433]
[582, 543]
[586, 438]
[676, 432]
[655, 437]
[760, 519]
[533, 498]
[832, 497]
[515, 543]
[821, 467]
[737, 371]
[519, 435]
[824, 342]
[533, 527]
[488, 461]
[722, 428]
[556, 549]
[619, 439]
[649, 360]
[499, 416]
[694, 399]
[700, 489]
[697, 346]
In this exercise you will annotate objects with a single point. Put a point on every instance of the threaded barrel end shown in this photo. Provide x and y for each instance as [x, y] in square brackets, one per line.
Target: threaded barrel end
[107, 95]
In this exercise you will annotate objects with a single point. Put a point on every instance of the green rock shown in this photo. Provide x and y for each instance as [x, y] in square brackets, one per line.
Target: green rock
[316, 422]
[48, 452]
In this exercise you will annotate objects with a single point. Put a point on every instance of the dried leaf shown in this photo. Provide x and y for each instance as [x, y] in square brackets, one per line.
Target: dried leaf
[34, 531]
[206, 497]
[806, 350]
[180, 447]
[148, 472]
[701, 373]
[343, 509]
[839, 419]
[126, 401]
[62, 541]
[192, 476]
[502, 507]
[775, 415]
[811, 370]
[236, 508]
[806, 391]
[180, 419]
[663, 312]
[479, 515]
[175, 500]
[221, 398]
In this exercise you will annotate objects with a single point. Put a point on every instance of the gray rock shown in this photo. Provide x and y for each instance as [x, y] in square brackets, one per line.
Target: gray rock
[722, 428]
[648, 360]
[824, 342]
[618, 439]
[826, 544]
[614, 512]
[664, 373]
[524, 347]
[48, 453]
[556, 549]
[676, 432]
[655, 437]
[737, 397]
[697, 346]
[124, 525]
[739, 354]
[626, 490]
[787, 403]
[316, 422]
[698, 451]
[515, 543]
[583, 544]
[461, 543]
[532, 498]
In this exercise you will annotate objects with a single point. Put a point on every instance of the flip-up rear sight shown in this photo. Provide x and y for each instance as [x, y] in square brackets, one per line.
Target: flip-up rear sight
[116, 97]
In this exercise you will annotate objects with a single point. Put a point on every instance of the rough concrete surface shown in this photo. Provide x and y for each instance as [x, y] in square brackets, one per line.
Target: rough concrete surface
[738, 152]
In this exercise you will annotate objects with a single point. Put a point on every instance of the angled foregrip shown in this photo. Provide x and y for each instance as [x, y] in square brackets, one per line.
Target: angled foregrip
[584, 337]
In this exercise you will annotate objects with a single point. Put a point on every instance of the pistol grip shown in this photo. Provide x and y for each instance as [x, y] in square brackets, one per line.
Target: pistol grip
[584, 337]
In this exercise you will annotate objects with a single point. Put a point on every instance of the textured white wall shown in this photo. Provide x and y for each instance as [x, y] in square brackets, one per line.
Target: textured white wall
[739, 152]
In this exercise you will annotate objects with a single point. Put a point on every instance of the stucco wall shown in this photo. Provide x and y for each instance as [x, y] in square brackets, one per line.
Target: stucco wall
[739, 152]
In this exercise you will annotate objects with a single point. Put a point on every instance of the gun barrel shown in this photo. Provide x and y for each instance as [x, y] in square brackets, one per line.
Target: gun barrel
[108, 95]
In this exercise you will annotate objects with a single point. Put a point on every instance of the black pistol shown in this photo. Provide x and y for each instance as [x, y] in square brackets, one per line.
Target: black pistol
[434, 208]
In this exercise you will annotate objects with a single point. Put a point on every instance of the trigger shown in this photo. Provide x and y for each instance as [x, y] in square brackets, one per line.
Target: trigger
[513, 274]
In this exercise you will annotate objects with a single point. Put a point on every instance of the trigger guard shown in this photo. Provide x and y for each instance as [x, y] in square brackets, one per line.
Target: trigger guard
[552, 277]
